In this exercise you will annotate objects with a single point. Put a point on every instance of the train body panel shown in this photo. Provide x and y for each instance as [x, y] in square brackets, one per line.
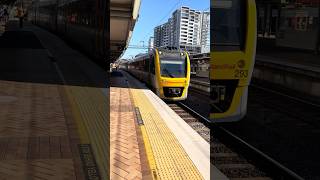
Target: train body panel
[167, 73]
[232, 58]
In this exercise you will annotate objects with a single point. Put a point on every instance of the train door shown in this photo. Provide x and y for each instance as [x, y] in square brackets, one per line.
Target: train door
[152, 74]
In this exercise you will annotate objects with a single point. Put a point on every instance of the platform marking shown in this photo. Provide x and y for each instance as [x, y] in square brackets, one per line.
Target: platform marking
[89, 164]
[91, 103]
[138, 116]
[150, 157]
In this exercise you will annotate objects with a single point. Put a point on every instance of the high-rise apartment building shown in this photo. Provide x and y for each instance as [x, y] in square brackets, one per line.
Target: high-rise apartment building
[151, 42]
[205, 32]
[157, 36]
[184, 30]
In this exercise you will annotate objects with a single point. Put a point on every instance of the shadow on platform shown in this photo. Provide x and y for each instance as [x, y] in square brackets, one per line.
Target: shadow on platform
[23, 58]
[118, 79]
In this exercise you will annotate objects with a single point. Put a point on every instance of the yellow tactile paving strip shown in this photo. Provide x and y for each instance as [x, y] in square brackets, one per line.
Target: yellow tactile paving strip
[171, 160]
[90, 107]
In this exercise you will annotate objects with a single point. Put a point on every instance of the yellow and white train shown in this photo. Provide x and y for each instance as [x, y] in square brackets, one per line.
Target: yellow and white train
[233, 45]
[166, 71]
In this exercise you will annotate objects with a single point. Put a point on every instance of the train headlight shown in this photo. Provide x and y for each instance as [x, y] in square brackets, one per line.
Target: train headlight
[175, 90]
[241, 63]
[182, 54]
[218, 93]
[160, 52]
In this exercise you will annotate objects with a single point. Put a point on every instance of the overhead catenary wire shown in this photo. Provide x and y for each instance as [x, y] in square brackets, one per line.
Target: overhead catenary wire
[137, 47]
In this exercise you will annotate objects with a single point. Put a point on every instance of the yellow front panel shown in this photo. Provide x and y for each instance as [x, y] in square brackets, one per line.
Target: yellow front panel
[236, 66]
[230, 65]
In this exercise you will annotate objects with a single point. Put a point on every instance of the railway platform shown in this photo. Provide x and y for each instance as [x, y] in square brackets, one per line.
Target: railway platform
[167, 147]
[54, 109]
[200, 84]
[292, 69]
[291, 58]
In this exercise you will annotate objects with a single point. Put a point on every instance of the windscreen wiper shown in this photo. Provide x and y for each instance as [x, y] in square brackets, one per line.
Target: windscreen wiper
[168, 73]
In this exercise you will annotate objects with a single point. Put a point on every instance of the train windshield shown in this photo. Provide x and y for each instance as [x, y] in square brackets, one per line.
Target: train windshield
[228, 30]
[174, 68]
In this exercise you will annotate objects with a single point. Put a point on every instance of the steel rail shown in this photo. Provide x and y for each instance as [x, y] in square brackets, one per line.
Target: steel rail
[272, 167]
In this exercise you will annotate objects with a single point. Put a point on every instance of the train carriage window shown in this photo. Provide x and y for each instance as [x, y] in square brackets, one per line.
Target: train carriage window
[135, 65]
[141, 65]
[146, 66]
[152, 67]
[229, 21]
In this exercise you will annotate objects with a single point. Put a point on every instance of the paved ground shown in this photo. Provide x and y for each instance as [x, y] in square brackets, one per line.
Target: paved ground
[42, 116]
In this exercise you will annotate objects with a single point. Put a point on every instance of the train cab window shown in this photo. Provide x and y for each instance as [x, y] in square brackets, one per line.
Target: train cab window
[174, 67]
[229, 25]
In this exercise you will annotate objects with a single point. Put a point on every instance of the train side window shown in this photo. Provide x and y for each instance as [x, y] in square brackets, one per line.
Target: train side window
[146, 65]
[140, 65]
[152, 68]
[143, 67]
[136, 65]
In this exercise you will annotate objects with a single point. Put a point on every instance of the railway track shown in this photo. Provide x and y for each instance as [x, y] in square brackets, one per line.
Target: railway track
[226, 160]
[289, 125]
[256, 165]
[296, 108]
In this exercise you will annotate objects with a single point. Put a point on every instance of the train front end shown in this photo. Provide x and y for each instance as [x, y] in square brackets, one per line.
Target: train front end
[232, 54]
[173, 74]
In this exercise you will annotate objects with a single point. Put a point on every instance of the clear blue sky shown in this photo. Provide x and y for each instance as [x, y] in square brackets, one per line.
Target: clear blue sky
[153, 13]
